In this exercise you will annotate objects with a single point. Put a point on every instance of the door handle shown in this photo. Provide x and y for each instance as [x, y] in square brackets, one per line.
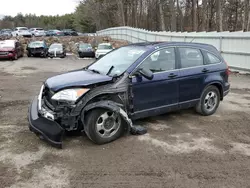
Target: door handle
[205, 70]
[172, 75]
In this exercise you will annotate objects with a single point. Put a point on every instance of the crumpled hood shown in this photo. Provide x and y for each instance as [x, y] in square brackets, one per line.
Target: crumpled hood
[77, 78]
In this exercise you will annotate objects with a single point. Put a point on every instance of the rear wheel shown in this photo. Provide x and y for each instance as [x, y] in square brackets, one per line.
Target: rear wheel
[209, 102]
[103, 126]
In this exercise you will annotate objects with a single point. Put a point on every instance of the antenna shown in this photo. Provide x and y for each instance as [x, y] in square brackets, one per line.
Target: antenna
[192, 40]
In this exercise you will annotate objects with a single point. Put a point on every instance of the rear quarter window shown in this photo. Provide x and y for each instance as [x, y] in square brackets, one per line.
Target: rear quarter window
[211, 58]
[190, 57]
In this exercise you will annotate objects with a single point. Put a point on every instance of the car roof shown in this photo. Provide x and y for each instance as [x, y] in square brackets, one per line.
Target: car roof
[105, 44]
[183, 44]
[20, 27]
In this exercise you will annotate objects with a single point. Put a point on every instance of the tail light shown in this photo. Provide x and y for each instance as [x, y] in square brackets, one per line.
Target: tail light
[228, 70]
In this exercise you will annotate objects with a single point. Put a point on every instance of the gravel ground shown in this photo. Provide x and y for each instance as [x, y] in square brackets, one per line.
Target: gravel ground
[181, 149]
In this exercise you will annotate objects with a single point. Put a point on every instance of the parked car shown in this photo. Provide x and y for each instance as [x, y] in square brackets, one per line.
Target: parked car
[6, 32]
[54, 33]
[11, 49]
[103, 49]
[37, 48]
[132, 82]
[70, 32]
[37, 32]
[21, 31]
[57, 50]
[86, 50]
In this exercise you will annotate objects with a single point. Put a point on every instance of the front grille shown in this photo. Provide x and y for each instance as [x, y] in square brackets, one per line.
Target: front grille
[4, 53]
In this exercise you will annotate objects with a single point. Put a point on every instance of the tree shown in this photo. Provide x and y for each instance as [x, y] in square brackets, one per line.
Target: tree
[162, 19]
[204, 16]
[194, 14]
[218, 16]
[245, 15]
[173, 15]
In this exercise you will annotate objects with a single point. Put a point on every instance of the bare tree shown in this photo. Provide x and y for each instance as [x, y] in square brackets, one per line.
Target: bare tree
[121, 11]
[162, 19]
[194, 14]
[180, 15]
[245, 16]
[204, 17]
[173, 15]
[218, 16]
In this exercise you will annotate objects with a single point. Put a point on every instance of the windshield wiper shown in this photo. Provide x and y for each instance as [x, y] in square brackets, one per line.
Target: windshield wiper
[95, 71]
[110, 70]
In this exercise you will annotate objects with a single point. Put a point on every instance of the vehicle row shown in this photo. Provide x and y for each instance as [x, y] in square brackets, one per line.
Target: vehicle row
[37, 32]
[12, 49]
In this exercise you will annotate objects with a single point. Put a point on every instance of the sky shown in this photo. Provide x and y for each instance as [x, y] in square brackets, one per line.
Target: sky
[38, 7]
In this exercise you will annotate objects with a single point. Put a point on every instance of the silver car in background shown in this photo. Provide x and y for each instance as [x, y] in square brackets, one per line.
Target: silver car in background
[21, 31]
[37, 32]
[103, 49]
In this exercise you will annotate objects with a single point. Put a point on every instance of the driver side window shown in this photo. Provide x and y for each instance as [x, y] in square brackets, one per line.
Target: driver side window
[159, 61]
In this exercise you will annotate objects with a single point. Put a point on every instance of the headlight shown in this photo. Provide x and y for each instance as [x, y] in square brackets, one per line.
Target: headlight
[69, 94]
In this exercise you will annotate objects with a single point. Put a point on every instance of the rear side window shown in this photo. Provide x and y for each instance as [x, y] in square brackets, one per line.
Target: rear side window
[159, 61]
[190, 57]
[212, 59]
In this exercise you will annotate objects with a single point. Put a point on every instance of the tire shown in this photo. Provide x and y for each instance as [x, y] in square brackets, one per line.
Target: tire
[209, 102]
[28, 54]
[107, 125]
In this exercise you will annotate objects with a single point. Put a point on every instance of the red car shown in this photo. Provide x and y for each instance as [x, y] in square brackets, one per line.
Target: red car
[11, 49]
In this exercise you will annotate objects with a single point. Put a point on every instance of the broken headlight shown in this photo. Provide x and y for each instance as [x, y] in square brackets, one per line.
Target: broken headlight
[69, 94]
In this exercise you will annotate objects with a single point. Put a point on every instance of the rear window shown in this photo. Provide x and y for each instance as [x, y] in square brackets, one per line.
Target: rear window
[39, 29]
[190, 57]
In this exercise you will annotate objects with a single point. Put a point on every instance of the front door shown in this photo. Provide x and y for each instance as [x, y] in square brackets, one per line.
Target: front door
[161, 94]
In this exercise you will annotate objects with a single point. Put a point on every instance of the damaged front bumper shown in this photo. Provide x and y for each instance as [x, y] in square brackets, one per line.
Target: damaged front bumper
[48, 129]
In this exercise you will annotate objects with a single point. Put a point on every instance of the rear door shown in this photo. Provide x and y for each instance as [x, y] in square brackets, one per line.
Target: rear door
[161, 94]
[192, 75]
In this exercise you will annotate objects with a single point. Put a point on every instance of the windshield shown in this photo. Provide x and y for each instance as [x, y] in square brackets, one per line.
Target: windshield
[118, 61]
[84, 46]
[39, 29]
[104, 47]
[4, 44]
[23, 29]
[55, 46]
[36, 44]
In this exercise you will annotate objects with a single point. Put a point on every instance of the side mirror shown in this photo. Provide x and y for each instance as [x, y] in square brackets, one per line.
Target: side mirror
[148, 74]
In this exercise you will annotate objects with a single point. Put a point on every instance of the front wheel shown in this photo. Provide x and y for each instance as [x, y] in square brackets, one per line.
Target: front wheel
[103, 126]
[209, 102]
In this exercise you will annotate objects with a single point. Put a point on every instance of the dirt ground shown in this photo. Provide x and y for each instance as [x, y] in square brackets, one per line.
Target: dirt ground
[181, 149]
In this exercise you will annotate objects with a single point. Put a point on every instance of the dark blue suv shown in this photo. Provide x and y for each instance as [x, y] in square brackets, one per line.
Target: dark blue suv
[131, 82]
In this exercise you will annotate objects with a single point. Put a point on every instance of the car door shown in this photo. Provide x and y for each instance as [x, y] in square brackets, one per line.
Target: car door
[161, 94]
[192, 72]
